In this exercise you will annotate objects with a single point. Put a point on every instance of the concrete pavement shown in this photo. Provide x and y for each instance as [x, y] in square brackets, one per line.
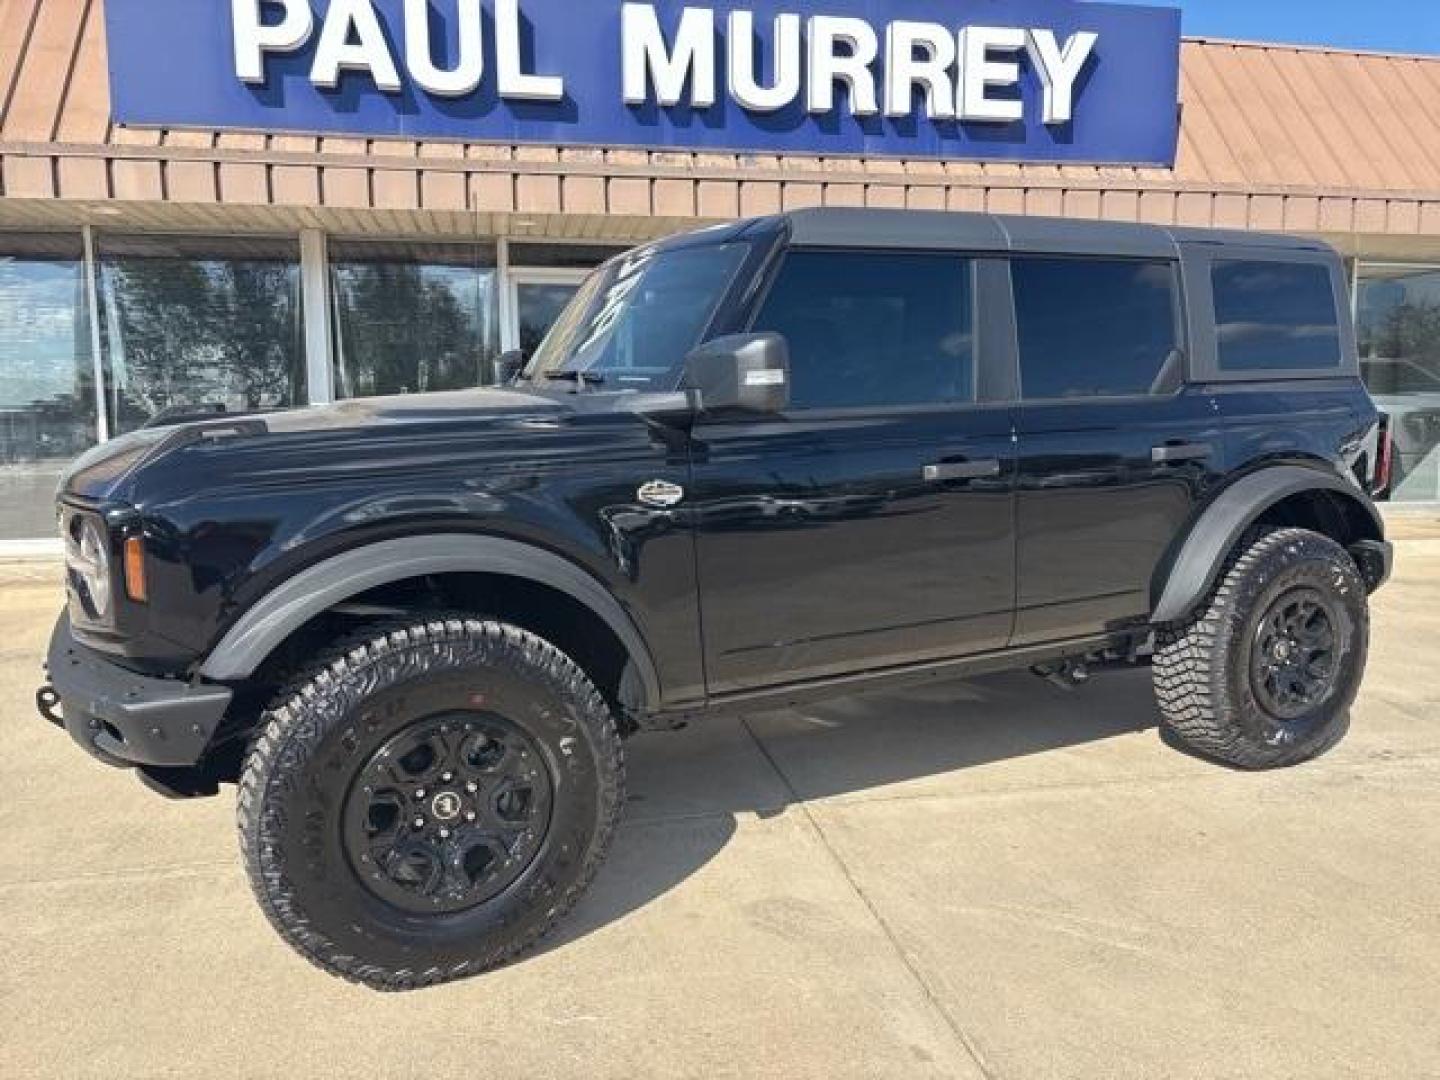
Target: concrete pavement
[994, 879]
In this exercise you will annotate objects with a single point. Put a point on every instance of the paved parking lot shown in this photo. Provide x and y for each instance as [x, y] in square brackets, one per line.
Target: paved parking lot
[995, 879]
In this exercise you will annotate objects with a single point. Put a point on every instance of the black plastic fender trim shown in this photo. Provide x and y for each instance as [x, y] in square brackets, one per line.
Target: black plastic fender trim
[1225, 520]
[320, 587]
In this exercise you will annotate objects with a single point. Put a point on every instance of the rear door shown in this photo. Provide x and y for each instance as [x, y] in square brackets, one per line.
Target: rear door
[1282, 356]
[1115, 449]
[871, 526]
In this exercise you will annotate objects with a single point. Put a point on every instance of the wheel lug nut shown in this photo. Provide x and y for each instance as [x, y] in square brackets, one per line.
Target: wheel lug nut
[444, 834]
[448, 777]
[419, 822]
[470, 816]
[472, 787]
[420, 793]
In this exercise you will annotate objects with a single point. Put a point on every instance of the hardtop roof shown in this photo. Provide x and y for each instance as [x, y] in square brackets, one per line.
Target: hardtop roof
[939, 230]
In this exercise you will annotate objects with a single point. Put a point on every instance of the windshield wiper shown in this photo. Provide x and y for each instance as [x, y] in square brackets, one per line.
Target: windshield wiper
[579, 378]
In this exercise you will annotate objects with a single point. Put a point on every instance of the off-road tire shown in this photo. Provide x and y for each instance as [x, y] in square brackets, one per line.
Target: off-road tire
[1202, 669]
[316, 737]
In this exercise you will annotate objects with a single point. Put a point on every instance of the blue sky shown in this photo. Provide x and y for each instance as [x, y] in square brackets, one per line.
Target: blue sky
[1395, 25]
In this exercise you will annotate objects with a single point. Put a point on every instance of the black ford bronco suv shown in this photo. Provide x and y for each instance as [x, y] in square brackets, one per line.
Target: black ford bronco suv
[761, 464]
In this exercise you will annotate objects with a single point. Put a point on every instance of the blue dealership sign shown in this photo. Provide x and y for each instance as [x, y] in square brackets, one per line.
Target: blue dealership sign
[1010, 80]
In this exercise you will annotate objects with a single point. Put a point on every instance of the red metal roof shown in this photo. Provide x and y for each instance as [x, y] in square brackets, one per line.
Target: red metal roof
[1275, 137]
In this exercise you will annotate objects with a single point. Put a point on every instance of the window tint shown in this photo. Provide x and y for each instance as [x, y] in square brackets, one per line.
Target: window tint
[1275, 316]
[1095, 327]
[874, 329]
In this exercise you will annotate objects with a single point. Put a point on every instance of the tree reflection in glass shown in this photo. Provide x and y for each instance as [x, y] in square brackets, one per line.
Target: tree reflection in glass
[47, 384]
[197, 325]
[1398, 320]
[412, 319]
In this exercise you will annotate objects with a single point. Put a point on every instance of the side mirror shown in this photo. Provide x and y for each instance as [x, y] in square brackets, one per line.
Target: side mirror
[508, 367]
[740, 373]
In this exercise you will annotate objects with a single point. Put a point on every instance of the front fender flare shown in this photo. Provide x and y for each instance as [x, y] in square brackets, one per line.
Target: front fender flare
[320, 587]
[1197, 565]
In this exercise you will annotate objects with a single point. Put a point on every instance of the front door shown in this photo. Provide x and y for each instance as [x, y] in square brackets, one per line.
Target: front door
[871, 526]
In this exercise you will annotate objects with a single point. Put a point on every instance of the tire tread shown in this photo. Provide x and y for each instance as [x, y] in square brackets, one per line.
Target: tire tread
[291, 726]
[1186, 666]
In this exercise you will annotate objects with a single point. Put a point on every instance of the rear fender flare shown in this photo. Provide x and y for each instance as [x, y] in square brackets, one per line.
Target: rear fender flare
[319, 588]
[1191, 575]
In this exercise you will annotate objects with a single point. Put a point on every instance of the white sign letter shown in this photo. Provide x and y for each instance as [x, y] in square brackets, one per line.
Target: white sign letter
[513, 79]
[420, 50]
[978, 73]
[371, 52]
[646, 57]
[744, 87]
[903, 69]
[253, 39]
[853, 67]
[1059, 68]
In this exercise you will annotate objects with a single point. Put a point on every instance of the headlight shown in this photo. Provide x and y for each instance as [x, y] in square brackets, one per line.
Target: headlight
[88, 557]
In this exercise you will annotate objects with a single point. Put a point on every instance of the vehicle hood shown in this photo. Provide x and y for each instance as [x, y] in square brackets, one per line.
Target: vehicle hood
[455, 406]
[370, 432]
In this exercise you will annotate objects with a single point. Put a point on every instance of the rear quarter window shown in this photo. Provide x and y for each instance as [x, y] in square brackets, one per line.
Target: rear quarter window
[1275, 316]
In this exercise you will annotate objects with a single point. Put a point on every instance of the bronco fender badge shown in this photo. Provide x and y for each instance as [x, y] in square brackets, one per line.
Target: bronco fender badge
[660, 493]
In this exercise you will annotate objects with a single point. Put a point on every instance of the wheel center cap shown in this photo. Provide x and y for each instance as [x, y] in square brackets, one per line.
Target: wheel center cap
[446, 806]
[1282, 650]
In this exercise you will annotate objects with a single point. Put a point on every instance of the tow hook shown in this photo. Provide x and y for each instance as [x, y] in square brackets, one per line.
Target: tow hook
[48, 702]
[1067, 674]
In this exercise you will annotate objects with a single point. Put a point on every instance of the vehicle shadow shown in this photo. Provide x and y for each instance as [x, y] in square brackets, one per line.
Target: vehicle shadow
[688, 788]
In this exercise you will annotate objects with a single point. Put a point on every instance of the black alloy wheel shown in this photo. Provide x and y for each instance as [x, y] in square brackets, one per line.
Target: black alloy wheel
[1263, 673]
[449, 813]
[428, 799]
[1293, 660]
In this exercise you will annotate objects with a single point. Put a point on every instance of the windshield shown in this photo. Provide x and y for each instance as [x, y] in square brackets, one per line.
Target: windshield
[634, 320]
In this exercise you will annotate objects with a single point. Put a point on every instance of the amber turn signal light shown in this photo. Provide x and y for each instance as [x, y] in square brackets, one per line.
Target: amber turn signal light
[135, 570]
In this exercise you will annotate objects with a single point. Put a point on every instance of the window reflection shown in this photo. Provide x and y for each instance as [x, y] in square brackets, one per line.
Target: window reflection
[1398, 319]
[47, 386]
[539, 307]
[191, 324]
[413, 318]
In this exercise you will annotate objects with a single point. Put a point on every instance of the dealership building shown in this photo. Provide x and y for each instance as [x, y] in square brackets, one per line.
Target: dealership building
[270, 204]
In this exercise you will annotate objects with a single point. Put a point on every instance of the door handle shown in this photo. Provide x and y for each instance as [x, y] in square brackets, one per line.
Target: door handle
[962, 470]
[1175, 453]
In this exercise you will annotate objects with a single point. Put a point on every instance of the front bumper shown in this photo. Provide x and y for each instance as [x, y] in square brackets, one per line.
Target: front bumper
[126, 719]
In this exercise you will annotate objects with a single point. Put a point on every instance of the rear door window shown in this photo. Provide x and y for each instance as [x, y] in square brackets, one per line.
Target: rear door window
[1275, 316]
[1096, 327]
[874, 329]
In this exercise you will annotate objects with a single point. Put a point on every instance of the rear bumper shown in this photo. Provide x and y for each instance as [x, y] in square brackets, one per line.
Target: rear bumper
[129, 720]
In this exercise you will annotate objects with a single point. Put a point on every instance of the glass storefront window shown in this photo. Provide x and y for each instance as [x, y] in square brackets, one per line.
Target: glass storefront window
[540, 299]
[413, 318]
[1398, 319]
[47, 381]
[193, 323]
